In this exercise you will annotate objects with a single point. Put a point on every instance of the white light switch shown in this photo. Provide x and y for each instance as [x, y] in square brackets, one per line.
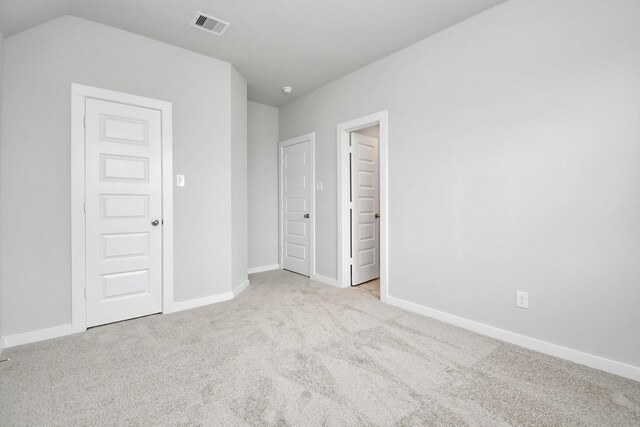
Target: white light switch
[180, 180]
[320, 186]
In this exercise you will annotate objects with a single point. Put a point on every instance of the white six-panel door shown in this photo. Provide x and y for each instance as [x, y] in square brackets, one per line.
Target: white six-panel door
[123, 211]
[295, 178]
[365, 237]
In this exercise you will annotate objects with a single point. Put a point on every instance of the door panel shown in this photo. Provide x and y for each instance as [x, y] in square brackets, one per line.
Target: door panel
[123, 168]
[296, 193]
[126, 284]
[365, 229]
[126, 130]
[125, 245]
[123, 197]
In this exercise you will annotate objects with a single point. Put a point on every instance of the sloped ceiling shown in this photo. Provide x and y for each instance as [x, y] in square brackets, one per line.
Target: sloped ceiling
[274, 43]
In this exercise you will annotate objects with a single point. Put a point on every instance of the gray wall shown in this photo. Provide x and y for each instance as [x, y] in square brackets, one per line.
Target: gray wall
[40, 65]
[1, 214]
[263, 185]
[514, 164]
[239, 239]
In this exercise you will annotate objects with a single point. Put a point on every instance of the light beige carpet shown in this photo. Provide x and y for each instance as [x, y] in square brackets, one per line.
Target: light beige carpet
[289, 351]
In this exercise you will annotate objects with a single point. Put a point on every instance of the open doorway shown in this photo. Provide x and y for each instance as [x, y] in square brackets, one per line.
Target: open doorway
[364, 209]
[362, 204]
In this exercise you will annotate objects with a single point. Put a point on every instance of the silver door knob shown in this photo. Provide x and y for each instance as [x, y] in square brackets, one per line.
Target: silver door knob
[306, 215]
[155, 222]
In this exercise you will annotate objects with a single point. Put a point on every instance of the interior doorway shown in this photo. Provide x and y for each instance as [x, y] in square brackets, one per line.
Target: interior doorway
[362, 203]
[121, 206]
[297, 204]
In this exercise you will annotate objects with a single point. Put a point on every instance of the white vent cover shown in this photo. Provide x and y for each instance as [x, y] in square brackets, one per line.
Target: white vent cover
[210, 24]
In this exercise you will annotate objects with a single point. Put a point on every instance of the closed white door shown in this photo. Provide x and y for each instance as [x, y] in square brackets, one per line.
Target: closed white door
[123, 211]
[296, 195]
[365, 230]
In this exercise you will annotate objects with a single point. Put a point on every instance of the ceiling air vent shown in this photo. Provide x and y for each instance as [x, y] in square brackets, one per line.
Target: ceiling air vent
[210, 24]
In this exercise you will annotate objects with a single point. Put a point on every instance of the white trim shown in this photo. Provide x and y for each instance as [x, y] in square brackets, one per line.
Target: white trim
[311, 137]
[241, 287]
[79, 93]
[212, 299]
[78, 303]
[325, 280]
[590, 360]
[64, 330]
[382, 119]
[39, 335]
[254, 270]
[167, 206]
[200, 302]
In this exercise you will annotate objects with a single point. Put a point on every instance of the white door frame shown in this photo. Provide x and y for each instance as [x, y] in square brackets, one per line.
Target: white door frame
[311, 137]
[79, 93]
[344, 129]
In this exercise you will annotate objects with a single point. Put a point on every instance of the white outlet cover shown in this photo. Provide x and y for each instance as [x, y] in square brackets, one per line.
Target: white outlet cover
[522, 299]
[180, 180]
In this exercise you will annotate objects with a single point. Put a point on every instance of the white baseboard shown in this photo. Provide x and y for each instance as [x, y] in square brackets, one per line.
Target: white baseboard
[241, 287]
[254, 270]
[590, 360]
[60, 331]
[326, 280]
[199, 302]
[38, 335]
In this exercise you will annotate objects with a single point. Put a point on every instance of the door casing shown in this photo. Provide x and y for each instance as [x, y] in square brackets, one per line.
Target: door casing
[311, 137]
[79, 94]
[344, 221]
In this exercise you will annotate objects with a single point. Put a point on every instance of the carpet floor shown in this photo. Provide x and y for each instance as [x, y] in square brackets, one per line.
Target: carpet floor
[290, 351]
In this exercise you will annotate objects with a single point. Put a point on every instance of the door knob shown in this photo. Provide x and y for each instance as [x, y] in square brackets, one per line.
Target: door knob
[306, 215]
[155, 222]
[377, 215]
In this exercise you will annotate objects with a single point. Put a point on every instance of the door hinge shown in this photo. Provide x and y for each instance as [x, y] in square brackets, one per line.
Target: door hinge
[84, 122]
[85, 293]
[350, 261]
[84, 207]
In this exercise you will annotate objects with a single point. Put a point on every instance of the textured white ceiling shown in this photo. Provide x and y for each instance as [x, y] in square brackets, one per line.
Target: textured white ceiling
[272, 43]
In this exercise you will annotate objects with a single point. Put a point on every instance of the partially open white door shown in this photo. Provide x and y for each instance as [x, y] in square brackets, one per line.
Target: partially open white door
[365, 230]
[123, 147]
[295, 167]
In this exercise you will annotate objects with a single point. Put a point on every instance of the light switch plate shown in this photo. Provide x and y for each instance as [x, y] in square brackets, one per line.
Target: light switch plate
[320, 186]
[180, 180]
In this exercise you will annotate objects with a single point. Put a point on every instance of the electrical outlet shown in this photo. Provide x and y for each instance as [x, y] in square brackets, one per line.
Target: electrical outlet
[522, 299]
[180, 180]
